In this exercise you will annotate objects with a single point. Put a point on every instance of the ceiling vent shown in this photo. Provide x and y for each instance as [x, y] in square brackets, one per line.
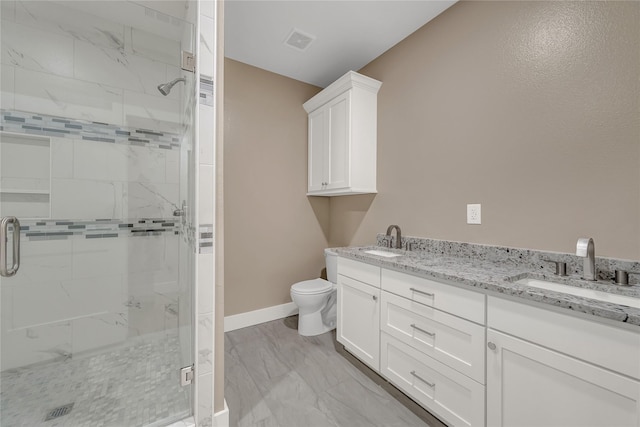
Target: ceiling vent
[299, 40]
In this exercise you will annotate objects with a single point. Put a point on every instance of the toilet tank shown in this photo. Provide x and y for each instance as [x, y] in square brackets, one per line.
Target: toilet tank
[331, 262]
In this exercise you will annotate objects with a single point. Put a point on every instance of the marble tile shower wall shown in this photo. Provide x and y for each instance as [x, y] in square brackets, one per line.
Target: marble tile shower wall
[112, 181]
[43, 125]
[59, 63]
[95, 79]
[63, 62]
[75, 295]
[205, 289]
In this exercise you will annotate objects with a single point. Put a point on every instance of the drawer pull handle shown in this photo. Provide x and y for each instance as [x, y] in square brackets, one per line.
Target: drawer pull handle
[421, 292]
[431, 334]
[432, 385]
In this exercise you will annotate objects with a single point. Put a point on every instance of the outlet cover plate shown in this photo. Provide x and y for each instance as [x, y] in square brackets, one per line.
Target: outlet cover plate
[474, 214]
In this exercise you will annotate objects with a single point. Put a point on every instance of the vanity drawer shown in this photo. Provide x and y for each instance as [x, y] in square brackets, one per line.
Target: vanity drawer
[360, 271]
[602, 344]
[467, 304]
[453, 397]
[451, 340]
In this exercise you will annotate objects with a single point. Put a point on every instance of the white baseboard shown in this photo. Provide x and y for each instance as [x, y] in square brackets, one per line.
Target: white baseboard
[242, 320]
[221, 418]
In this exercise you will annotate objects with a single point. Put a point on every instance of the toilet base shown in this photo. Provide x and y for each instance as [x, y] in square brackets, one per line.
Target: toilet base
[311, 324]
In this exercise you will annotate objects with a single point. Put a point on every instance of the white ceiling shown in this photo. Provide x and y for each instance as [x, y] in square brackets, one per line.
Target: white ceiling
[348, 34]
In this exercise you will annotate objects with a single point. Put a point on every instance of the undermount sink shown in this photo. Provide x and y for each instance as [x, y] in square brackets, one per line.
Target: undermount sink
[582, 292]
[381, 253]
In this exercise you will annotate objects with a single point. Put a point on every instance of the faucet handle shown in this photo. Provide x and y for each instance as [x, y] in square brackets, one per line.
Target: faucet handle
[622, 277]
[561, 267]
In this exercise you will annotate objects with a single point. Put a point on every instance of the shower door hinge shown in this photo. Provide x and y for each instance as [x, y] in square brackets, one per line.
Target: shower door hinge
[188, 61]
[186, 375]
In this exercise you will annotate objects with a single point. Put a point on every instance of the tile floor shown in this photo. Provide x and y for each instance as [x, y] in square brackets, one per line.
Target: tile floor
[275, 377]
[136, 384]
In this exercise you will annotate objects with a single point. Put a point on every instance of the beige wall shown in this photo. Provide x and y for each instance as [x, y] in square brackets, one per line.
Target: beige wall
[531, 109]
[274, 233]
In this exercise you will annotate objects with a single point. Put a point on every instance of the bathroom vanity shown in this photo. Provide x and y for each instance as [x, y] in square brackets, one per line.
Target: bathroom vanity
[469, 342]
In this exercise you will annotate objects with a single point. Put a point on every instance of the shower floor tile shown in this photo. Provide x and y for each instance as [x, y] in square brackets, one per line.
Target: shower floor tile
[275, 377]
[133, 385]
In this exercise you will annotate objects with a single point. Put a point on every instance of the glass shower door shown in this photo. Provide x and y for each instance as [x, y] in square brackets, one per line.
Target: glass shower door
[96, 137]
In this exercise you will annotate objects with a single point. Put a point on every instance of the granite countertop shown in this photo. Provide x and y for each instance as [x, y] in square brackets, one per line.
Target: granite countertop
[499, 277]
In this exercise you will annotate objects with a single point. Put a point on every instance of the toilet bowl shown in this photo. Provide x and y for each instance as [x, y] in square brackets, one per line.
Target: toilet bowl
[316, 300]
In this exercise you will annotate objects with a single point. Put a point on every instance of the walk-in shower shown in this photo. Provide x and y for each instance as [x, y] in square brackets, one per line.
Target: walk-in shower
[97, 322]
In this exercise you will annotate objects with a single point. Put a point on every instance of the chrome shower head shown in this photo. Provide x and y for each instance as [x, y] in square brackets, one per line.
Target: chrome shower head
[165, 88]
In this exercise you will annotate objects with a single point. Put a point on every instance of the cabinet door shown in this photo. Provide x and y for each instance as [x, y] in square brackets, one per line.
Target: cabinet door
[529, 385]
[359, 320]
[317, 148]
[337, 160]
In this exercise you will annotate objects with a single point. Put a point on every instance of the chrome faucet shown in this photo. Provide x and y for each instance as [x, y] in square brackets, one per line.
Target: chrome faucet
[398, 236]
[586, 249]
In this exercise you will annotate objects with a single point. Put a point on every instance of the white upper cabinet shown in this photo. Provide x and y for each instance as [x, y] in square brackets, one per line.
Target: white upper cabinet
[342, 137]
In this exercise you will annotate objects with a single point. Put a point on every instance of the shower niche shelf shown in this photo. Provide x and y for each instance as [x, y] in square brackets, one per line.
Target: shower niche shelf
[25, 185]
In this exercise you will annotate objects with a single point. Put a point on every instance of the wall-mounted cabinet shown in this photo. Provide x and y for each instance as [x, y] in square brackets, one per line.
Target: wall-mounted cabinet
[343, 137]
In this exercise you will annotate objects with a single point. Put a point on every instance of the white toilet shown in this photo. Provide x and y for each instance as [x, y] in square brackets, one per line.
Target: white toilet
[316, 300]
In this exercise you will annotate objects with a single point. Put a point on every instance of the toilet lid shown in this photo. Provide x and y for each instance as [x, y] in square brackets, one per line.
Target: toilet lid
[315, 286]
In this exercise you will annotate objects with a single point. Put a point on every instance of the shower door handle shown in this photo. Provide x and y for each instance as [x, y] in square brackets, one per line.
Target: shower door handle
[4, 239]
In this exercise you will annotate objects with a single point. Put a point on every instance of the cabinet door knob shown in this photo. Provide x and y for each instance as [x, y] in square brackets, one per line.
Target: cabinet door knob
[491, 345]
[375, 298]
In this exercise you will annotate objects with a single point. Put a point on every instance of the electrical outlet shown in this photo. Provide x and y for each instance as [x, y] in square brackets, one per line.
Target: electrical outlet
[474, 214]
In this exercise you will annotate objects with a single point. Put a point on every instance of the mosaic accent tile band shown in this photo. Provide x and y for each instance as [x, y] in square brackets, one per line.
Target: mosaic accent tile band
[205, 239]
[40, 124]
[97, 229]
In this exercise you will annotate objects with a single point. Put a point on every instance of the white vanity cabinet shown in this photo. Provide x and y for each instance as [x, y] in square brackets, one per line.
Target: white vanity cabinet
[448, 348]
[427, 338]
[546, 368]
[342, 137]
[432, 345]
[358, 327]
